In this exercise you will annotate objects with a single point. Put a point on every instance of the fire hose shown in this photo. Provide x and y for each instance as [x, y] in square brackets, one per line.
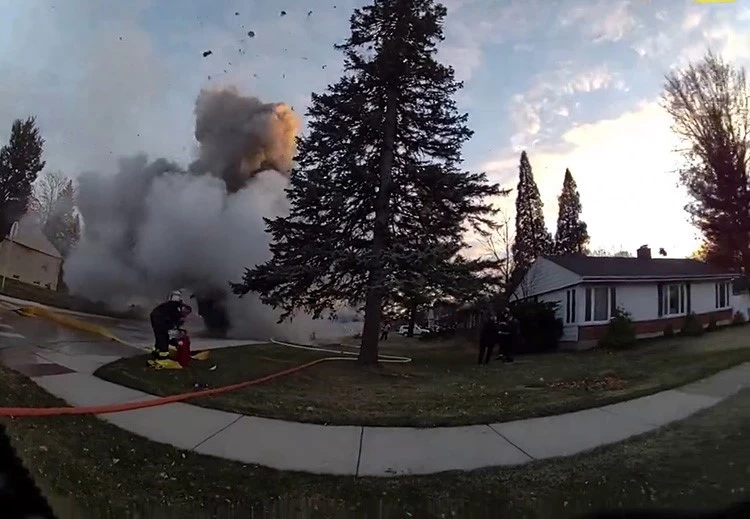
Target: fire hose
[157, 401]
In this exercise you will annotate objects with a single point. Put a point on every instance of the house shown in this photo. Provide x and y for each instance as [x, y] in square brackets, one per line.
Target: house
[30, 257]
[655, 291]
[740, 297]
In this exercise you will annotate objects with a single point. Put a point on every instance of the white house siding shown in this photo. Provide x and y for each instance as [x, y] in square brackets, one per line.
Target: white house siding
[29, 265]
[545, 276]
[741, 303]
[641, 300]
[570, 330]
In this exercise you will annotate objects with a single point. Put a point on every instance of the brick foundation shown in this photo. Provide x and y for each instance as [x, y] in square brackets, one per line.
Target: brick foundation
[654, 326]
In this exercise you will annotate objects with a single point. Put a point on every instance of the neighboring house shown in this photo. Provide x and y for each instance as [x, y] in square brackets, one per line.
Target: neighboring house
[30, 257]
[740, 298]
[655, 291]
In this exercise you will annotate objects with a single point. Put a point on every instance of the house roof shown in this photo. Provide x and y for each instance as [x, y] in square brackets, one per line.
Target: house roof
[615, 267]
[30, 235]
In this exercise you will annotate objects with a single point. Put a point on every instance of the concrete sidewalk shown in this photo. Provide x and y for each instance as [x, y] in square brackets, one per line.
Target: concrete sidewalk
[387, 451]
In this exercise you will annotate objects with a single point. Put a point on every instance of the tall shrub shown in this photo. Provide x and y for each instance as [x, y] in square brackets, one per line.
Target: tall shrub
[539, 326]
[620, 332]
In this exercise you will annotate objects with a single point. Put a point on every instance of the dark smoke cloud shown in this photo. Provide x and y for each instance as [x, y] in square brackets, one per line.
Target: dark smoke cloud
[241, 136]
[154, 226]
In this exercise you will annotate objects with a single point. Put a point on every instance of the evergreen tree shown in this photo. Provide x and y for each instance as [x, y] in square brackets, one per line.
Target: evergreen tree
[62, 226]
[532, 237]
[572, 235]
[20, 163]
[377, 184]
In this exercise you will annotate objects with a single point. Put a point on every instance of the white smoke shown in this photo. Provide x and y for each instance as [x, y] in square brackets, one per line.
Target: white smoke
[154, 226]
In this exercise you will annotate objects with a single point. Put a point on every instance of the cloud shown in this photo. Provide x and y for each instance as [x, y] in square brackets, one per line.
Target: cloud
[548, 97]
[605, 21]
[653, 46]
[590, 80]
[692, 20]
[628, 184]
[472, 25]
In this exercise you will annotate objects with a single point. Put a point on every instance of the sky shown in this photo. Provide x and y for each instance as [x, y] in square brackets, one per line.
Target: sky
[576, 83]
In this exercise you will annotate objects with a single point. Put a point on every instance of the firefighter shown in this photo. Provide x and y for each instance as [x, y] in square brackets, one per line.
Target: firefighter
[488, 338]
[167, 316]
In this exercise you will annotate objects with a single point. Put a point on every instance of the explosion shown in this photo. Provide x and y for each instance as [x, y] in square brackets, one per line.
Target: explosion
[154, 226]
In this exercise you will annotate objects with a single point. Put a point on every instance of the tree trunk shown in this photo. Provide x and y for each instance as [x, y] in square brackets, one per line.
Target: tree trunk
[368, 352]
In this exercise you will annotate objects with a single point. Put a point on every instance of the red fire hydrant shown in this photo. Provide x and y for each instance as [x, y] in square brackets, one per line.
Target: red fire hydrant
[183, 348]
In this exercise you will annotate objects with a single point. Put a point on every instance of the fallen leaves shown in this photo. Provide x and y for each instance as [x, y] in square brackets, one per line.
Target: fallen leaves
[607, 383]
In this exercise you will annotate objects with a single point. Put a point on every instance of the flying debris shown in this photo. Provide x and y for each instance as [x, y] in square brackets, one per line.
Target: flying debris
[236, 13]
[309, 13]
[207, 53]
[251, 34]
[283, 13]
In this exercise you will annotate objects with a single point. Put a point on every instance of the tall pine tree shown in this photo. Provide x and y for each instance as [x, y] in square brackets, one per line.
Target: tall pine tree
[572, 236]
[377, 184]
[20, 163]
[532, 237]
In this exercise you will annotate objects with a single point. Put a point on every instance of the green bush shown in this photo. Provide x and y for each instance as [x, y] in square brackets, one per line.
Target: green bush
[538, 324]
[738, 319]
[620, 332]
[669, 330]
[692, 327]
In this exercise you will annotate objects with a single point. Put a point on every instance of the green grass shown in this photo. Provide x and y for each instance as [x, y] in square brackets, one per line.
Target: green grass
[59, 299]
[442, 386]
[700, 463]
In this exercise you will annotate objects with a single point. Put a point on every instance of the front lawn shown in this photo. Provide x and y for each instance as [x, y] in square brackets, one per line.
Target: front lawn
[443, 386]
[699, 463]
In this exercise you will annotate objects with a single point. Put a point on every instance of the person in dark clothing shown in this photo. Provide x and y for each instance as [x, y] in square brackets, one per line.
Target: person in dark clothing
[509, 334]
[384, 329]
[167, 316]
[488, 337]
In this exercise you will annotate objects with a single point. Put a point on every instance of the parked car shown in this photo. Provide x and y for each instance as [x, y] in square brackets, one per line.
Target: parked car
[418, 330]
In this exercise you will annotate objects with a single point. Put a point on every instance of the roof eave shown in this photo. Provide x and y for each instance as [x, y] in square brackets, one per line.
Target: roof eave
[641, 279]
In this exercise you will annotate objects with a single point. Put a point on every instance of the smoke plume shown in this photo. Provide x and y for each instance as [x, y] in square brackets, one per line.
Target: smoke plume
[154, 226]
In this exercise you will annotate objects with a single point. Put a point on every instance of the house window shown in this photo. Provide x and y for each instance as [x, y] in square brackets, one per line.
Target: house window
[570, 307]
[598, 304]
[673, 299]
[722, 294]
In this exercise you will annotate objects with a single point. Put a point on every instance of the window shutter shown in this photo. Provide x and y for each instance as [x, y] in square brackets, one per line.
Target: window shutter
[716, 295]
[612, 301]
[573, 305]
[588, 304]
[660, 297]
[567, 306]
[688, 297]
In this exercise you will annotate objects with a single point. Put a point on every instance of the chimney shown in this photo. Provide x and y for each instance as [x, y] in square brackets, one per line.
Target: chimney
[644, 252]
